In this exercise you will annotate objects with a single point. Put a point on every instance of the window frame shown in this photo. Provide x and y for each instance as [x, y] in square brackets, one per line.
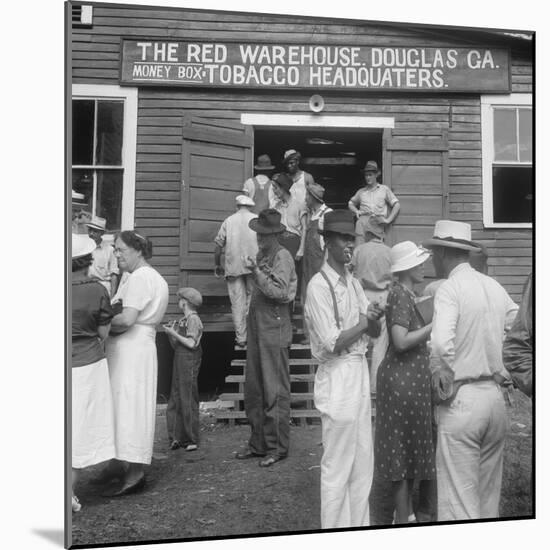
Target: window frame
[488, 104]
[129, 140]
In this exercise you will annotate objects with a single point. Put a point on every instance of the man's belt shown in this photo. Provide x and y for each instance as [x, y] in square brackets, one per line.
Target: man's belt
[464, 381]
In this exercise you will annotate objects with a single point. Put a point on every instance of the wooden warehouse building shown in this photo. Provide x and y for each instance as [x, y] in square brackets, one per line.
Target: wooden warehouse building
[170, 108]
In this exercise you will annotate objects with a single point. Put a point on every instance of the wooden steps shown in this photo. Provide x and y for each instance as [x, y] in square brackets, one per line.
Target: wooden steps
[302, 376]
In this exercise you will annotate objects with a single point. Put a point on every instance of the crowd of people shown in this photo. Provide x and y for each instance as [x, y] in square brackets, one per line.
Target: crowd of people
[439, 359]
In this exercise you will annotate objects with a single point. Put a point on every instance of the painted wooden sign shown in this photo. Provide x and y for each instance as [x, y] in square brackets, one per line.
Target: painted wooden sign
[292, 66]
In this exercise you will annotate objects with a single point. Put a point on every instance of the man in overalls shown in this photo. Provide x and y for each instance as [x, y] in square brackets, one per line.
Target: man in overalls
[269, 335]
[339, 317]
[258, 188]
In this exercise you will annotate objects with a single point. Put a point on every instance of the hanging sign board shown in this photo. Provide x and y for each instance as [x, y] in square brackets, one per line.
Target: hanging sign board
[292, 66]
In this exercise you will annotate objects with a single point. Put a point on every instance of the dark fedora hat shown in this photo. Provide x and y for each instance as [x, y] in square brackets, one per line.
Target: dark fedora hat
[268, 222]
[284, 181]
[264, 163]
[339, 221]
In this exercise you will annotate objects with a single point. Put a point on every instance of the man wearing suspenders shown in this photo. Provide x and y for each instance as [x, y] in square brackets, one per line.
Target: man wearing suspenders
[258, 188]
[339, 317]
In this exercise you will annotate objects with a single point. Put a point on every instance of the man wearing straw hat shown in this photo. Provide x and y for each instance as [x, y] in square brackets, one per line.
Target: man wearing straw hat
[269, 334]
[238, 241]
[374, 202]
[471, 313]
[104, 268]
[339, 317]
[258, 188]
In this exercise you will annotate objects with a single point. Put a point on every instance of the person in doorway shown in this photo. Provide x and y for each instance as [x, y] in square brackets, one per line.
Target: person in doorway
[314, 244]
[142, 299]
[93, 422]
[404, 450]
[339, 317]
[258, 188]
[371, 264]
[104, 267]
[471, 314]
[374, 202]
[267, 376]
[182, 412]
[238, 241]
[300, 178]
[293, 215]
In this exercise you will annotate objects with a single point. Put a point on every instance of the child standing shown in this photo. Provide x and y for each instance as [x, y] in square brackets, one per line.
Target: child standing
[182, 413]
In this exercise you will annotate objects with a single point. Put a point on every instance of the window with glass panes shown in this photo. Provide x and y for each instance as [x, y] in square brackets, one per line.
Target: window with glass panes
[97, 168]
[512, 169]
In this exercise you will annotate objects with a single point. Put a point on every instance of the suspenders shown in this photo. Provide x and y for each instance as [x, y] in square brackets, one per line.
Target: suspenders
[333, 294]
[334, 304]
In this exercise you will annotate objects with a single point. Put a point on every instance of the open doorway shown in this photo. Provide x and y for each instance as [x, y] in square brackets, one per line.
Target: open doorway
[334, 157]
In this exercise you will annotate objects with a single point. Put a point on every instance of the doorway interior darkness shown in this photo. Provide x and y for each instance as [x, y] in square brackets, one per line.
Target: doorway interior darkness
[334, 157]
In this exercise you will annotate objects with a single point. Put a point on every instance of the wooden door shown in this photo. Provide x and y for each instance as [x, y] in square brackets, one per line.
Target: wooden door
[415, 167]
[216, 160]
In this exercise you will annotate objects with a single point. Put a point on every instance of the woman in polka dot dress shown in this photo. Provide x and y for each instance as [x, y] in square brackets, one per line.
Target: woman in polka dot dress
[404, 450]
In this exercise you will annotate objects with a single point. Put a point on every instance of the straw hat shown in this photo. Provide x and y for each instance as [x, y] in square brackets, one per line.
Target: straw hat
[97, 223]
[406, 255]
[244, 200]
[451, 234]
[82, 245]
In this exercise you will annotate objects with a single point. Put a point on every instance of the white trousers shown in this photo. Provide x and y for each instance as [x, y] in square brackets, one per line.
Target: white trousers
[342, 396]
[239, 290]
[470, 443]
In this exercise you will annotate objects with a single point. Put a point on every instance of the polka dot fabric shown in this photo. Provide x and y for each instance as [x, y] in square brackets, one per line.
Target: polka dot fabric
[403, 439]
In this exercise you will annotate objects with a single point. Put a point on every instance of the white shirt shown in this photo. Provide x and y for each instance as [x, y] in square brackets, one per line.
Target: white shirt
[145, 290]
[105, 263]
[238, 240]
[320, 318]
[471, 314]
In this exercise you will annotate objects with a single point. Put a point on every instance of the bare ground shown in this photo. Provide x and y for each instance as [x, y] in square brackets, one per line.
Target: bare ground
[209, 493]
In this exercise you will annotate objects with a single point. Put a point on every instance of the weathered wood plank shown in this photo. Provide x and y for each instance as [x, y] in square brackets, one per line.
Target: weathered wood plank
[161, 194]
[160, 213]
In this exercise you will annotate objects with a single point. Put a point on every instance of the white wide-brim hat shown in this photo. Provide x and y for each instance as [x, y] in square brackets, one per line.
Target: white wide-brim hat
[82, 245]
[244, 200]
[97, 223]
[451, 234]
[407, 255]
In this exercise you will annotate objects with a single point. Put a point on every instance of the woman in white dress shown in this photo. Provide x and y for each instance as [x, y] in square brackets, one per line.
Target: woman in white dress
[142, 299]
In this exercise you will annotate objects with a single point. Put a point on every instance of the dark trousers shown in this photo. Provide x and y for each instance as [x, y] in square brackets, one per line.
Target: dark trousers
[267, 376]
[182, 413]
